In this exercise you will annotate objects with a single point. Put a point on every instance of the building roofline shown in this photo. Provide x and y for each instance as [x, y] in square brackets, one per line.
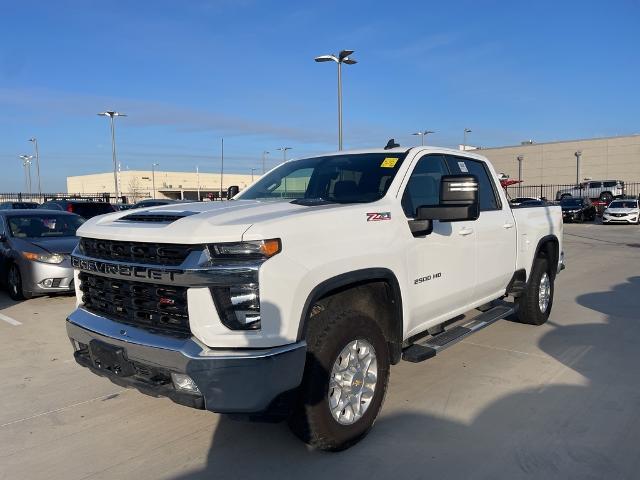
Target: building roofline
[592, 139]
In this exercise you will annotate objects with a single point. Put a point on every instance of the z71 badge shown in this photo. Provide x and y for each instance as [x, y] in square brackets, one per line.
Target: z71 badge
[378, 216]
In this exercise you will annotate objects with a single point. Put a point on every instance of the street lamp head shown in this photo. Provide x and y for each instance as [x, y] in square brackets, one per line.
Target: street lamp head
[428, 132]
[520, 158]
[578, 153]
[32, 139]
[467, 130]
[326, 58]
[344, 54]
[349, 61]
[110, 113]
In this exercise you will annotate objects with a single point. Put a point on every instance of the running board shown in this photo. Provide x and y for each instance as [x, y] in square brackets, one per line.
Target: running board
[425, 349]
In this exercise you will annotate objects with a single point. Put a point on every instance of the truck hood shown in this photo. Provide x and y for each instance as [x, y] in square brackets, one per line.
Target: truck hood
[203, 222]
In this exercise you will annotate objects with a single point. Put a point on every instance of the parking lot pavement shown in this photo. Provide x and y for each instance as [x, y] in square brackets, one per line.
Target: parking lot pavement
[513, 401]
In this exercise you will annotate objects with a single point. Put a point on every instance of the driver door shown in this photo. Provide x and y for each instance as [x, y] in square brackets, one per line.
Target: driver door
[441, 266]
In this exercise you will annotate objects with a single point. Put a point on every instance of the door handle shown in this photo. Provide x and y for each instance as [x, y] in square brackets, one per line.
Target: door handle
[508, 225]
[465, 231]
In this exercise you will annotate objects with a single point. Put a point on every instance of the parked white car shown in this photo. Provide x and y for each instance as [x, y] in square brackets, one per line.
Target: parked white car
[605, 190]
[622, 211]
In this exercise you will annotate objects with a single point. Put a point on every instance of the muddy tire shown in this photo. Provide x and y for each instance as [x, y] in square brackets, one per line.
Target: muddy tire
[345, 380]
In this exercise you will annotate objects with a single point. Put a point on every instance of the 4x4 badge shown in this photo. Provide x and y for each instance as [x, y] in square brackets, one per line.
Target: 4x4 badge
[378, 216]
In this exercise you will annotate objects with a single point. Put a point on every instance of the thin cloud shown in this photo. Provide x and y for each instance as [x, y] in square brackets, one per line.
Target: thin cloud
[152, 114]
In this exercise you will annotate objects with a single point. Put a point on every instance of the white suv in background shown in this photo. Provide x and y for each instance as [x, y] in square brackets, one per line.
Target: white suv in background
[605, 190]
[622, 211]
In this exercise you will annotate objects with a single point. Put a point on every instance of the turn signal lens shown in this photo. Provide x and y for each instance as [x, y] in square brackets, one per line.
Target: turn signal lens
[270, 247]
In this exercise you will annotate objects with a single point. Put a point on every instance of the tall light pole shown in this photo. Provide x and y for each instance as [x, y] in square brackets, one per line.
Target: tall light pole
[578, 155]
[153, 178]
[464, 140]
[252, 170]
[422, 135]
[112, 115]
[520, 159]
[198, 180]
[34, 140]
[284, 152]
[26, 163]
[340, 58]
[221, 166]
[264, 154]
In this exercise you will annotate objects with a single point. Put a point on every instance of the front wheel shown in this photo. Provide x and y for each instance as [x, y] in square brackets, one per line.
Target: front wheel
[534, 304]
[14, 283]
[345, 380]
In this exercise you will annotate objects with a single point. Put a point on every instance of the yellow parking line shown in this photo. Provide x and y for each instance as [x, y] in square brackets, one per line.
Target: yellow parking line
[10, 320]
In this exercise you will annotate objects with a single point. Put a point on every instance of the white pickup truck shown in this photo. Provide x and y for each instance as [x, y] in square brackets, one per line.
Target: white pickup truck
[296, 296]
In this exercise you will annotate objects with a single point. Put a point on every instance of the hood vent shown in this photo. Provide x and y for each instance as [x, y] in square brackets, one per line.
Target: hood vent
[155, 217]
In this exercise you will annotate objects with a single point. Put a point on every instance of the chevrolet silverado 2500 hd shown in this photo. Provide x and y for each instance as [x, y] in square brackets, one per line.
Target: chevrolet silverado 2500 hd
[298, 294]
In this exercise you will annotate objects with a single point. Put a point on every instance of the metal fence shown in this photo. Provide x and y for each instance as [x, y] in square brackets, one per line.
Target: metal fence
[549, 192]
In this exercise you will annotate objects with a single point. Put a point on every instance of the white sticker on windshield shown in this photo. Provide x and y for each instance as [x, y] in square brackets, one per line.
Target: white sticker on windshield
[463, 167]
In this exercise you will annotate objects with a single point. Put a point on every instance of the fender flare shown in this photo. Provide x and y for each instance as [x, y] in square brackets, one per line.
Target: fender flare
[543, 241]
[355, 278]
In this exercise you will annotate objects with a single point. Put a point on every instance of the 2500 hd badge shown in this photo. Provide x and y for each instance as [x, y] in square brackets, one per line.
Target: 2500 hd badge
[427, 278]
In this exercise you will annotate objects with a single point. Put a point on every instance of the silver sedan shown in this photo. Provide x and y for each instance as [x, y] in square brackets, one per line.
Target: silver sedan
[35, 251]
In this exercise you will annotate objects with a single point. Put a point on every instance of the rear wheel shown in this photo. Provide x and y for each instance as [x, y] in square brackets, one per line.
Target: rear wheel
[14, 283]
[345, 380]
[534, 305]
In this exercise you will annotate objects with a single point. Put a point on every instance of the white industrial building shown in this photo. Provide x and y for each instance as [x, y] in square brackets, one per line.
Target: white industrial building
[139, 184]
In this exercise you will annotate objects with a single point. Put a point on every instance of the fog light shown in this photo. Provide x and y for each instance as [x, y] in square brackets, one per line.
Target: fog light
[184, 382]
[47, 283]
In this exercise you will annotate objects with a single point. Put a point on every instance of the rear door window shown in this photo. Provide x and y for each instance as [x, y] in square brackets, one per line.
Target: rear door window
[486, 188]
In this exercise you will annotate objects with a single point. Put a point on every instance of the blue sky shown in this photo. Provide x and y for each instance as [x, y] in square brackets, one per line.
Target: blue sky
[188, 73]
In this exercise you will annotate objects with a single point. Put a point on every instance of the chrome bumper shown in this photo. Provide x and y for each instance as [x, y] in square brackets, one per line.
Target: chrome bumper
[229, 380]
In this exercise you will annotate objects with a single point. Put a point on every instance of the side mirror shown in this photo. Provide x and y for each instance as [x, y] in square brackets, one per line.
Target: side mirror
[458, 200]
[232, 191]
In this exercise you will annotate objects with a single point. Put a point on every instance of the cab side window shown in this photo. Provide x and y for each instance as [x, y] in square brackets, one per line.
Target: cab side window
[486, 189]
[423, 187]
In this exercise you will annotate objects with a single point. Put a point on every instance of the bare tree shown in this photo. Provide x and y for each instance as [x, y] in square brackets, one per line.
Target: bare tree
[134, 189]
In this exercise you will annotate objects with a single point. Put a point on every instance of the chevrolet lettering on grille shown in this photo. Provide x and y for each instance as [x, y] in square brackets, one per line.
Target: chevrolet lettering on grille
[124, 271]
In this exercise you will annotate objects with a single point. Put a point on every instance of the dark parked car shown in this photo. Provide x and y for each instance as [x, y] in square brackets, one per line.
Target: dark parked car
[577, 209]
[155, 202]
[35, 251]
[18, 205]
[85, 208]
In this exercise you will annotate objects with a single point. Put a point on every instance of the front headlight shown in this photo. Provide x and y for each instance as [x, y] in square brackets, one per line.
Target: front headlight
[259, 249]
[44, 257]
[239, 305]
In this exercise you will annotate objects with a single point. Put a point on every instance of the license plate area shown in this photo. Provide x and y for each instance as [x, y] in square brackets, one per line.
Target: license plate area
[110, 358]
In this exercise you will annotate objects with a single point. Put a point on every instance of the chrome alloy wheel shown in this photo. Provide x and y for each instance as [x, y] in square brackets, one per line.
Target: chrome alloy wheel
[544, 292]
[353, 382]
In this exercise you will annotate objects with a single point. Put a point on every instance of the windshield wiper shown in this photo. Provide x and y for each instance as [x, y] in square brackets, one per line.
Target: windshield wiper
[312, 201]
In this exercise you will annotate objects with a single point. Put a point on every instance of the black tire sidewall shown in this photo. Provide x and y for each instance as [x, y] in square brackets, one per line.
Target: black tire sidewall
[528, 306]
[324, 346]
[18, 294]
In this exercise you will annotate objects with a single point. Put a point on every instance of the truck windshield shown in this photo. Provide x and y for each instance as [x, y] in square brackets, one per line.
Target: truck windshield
[352, 178]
